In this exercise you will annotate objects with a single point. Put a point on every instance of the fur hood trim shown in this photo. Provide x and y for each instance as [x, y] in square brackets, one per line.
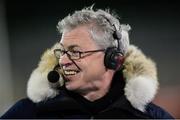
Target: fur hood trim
[139, 71]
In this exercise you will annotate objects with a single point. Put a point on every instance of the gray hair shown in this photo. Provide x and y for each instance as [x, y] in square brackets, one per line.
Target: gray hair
[101, 24]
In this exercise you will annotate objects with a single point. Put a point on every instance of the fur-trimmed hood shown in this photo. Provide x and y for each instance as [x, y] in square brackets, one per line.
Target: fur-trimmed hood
[139, 71]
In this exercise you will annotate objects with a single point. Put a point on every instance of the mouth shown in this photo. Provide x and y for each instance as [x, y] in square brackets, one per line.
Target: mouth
[70, 72]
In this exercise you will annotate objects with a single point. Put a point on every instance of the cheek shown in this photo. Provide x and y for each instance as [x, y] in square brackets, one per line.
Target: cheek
[93, 68]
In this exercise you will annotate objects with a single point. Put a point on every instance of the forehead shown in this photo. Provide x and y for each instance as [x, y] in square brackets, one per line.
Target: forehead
[79, 36]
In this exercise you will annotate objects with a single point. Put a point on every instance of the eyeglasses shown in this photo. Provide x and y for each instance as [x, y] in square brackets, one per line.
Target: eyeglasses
[73, 54]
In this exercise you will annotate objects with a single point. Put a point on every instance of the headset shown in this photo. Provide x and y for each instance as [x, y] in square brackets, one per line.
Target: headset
[113, 58]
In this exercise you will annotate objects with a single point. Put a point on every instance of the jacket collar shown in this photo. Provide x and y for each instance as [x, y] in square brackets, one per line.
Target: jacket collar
[139, 71]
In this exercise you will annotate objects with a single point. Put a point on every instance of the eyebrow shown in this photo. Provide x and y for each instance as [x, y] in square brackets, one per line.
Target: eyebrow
[71, 47]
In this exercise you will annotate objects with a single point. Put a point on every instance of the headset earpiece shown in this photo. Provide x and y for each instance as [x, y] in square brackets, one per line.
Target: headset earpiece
[113, 58]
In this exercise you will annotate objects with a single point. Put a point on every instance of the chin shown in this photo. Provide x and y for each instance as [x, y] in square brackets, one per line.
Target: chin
[74, 88]
[70, 87]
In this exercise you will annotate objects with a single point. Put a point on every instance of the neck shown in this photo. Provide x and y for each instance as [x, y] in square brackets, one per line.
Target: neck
[101, 87]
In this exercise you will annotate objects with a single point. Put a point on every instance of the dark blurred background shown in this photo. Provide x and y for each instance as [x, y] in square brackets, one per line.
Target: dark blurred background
[28, 28]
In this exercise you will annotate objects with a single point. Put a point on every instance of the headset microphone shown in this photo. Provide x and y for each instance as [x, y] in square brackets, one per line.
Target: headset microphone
[53, 76]
[55, 80]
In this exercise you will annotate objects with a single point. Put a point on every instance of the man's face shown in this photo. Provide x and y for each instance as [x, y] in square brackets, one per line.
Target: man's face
[91, 65]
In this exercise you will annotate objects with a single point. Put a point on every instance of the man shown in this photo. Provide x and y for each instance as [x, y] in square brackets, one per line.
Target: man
[101, 75]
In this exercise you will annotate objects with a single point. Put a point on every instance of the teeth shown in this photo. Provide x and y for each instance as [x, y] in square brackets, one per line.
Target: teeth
[70, 72]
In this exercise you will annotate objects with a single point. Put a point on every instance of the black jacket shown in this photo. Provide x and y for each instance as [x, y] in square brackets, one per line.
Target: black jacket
[68, 108]
[71, 105]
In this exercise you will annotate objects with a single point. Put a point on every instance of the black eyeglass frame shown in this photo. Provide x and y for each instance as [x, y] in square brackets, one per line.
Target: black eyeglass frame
[79, 53]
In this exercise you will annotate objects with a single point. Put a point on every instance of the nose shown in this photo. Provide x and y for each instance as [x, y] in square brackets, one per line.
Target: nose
[64, 60]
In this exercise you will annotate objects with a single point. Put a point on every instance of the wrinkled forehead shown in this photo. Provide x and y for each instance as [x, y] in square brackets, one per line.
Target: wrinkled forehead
[79, 37]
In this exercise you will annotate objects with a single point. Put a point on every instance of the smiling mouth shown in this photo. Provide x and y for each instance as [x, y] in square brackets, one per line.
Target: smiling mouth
[70, 72]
